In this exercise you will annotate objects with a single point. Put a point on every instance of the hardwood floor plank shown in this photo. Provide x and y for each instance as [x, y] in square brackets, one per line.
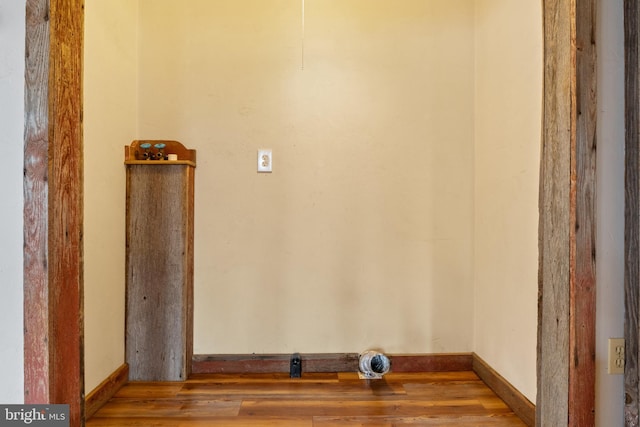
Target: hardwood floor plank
[263, 378]
[170, 408]
[502, 420]
[143, 390]
[350, 408]
[473, 390]
[301, 389]
[200, 422]
[419, 377]
[255, 422]
[493, 403]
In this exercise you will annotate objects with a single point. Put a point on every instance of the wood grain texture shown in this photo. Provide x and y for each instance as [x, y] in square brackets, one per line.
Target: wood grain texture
[520, 405]
[36, 174]
[53, 205]
[566, 331]
[105, 390]
[632, 207]
[159, 280]
[555, 217]
[320, 399]
[582, 348]
[65, 245]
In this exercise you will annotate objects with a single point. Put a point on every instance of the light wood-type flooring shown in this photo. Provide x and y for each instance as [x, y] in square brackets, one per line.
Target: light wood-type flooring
[315, 400]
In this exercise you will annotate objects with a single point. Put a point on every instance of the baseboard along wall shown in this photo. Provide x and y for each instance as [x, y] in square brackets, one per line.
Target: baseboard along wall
[325, 362]
[518, 403]
[105, 390]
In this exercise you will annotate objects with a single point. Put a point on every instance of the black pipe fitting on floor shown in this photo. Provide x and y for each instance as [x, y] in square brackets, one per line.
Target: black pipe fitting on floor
[295, 366]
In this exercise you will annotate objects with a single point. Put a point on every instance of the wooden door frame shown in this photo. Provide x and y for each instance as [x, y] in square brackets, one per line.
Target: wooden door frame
[53, 281]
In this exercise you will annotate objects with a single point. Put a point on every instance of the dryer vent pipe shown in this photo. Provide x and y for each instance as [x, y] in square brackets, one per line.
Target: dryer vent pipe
[373, 364]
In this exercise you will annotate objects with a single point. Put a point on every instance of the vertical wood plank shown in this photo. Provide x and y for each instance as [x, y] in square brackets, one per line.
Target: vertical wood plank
[54, 365]
[582, 348]
[66, 310]
[555, 210]
[189, 270]
[632, 208]
[36, 278]
[159, 271]
[566, 332]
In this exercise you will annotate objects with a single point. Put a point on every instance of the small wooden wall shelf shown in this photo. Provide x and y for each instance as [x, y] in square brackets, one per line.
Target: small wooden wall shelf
[133, 154]
[159, 264]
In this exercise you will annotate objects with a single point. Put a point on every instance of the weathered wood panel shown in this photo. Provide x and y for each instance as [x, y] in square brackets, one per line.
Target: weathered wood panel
[159, 271]
[582, 347]
[632, 210]
[566, 331]
[36, 173]
[53, 205]
[66, 308]
[555, 210]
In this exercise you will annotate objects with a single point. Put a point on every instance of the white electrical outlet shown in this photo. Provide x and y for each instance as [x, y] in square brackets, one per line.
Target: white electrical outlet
[265, 160]
[616, 356]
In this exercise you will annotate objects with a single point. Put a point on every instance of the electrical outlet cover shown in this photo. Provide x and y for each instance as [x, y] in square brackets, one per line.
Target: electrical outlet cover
[265, 160]
[616, 356]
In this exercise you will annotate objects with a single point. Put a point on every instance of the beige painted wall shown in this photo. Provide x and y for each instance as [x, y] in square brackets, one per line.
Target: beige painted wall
[610, 208]
[110, 111]
[507, 162]
[362, 235]
[12, 29]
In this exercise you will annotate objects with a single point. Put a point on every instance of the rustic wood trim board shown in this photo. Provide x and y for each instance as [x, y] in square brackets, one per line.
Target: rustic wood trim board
[36, 205]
